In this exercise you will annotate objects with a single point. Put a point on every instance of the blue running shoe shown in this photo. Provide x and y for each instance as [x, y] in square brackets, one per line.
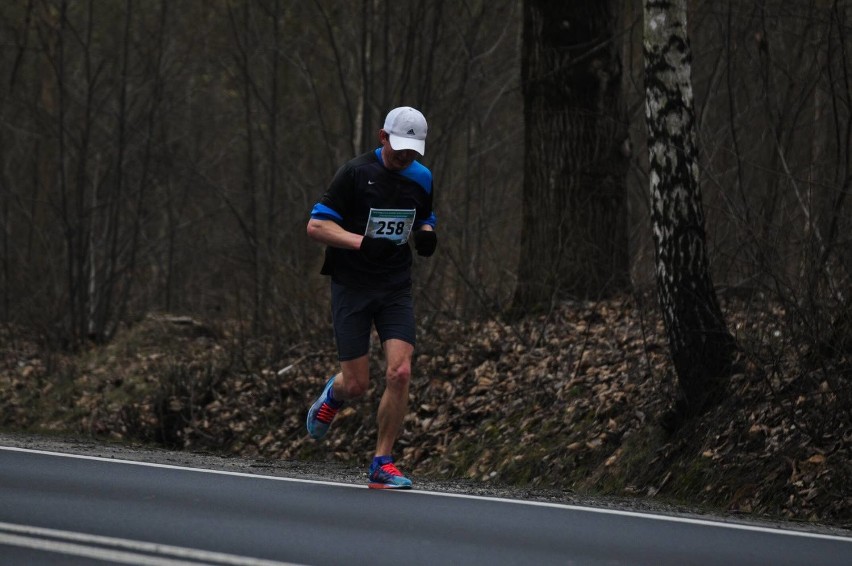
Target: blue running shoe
[322, 413]
[384, 475]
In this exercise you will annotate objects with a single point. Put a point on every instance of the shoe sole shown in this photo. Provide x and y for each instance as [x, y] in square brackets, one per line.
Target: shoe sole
[387, 486]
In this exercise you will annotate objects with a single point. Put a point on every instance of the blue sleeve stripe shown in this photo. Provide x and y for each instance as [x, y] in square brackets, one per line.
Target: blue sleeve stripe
[431, 221]
[418, 173]
[322, 212]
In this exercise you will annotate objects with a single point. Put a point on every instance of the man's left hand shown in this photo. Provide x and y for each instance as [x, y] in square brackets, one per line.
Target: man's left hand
[425, 241]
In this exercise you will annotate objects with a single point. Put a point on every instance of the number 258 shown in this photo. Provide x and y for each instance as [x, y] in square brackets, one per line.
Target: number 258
[390, 228]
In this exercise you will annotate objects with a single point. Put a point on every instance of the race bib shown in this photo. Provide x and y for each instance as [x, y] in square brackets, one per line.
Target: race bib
[390, 223]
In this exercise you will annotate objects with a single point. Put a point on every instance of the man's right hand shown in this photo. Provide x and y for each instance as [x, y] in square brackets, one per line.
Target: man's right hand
[377, 249]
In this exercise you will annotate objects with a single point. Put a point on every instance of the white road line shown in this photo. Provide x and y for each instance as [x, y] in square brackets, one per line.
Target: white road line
[70, 549]
[39, 538]
[579, 508]
[653, 516]
[174, 467]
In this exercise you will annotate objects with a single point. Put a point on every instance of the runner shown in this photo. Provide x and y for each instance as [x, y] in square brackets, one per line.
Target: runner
[376, 204]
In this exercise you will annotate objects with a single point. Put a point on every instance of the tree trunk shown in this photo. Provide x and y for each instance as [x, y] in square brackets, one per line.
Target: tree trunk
[574, 226]
[701, 346]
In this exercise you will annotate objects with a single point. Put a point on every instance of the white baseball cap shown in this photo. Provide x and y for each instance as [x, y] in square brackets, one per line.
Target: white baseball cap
[406, 129]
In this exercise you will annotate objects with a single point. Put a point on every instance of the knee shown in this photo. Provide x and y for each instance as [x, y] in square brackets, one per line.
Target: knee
[399, 376]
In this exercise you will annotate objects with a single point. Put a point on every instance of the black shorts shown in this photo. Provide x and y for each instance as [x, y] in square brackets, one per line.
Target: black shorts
[354, 311]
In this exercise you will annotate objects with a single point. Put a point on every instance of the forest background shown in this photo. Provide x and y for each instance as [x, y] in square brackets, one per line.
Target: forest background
[158, 161]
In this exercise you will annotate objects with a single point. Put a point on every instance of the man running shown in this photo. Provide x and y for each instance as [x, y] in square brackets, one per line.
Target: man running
[375, 205]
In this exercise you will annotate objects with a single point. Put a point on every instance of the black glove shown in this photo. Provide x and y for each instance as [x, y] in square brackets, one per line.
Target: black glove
[377, 249]
[425, 241]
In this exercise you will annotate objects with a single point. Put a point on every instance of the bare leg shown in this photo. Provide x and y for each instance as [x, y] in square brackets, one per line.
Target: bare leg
[394, 404]
[353, 380]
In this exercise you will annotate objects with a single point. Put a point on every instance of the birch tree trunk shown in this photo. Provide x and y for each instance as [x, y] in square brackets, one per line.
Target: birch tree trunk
[701, 346]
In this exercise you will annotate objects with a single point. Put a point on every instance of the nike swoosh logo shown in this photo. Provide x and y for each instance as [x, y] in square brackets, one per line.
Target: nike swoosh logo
[371, 182]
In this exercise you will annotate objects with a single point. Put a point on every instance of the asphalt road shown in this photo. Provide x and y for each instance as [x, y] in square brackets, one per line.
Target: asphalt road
[73, 509]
